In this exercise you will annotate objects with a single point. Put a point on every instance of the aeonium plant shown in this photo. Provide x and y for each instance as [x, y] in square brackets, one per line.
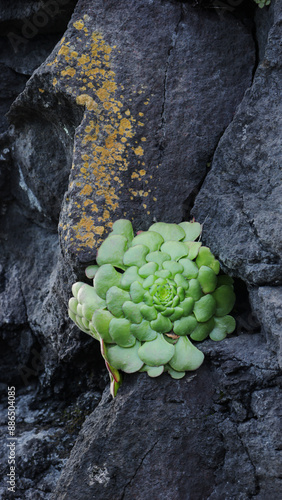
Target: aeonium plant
[152, 294]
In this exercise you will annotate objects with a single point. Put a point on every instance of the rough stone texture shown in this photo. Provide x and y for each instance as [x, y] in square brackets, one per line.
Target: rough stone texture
[267, 303]
[28, 32]
[207, 436]
[157, 93]
[241, 196]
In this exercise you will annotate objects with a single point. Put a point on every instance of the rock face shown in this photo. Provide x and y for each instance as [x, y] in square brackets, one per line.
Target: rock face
[243, 225]
[207, 436]
[156, 94]
[123, 119]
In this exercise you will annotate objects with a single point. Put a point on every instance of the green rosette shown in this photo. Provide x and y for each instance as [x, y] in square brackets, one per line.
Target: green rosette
[152, 295]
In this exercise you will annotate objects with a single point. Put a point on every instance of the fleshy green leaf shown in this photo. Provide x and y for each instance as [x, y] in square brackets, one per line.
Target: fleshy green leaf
[222, 326]
[169, 232]
[135, 256]
[187, 357]
[148, 282]
[129, 276]
[148, 312]
[225, 300]
[123, 359]
[202, 330]
[132, 311]
[206, 258]
[153, 371]
[204, 308]
[223, 279]
[174, 374]
[173, 267]
[163, 273]
[143, 331]
[161, 324]
[181, 281]
[115, 299]
[106, 277]
[193, 248]
[123, 227]
[192, 230]
[190, 270]
[185, 325]
[207, 279]
[151, 239]
[178, 313]
[90, 301]
[90, 271]
[137, 292]
[158, 257]
[120, 332]
[112, 251]
[187, 306]
[157, 352]
[175, 249]
[194, 289]
[148, 269]
[76, 287]
[100, 323]
[73, 303]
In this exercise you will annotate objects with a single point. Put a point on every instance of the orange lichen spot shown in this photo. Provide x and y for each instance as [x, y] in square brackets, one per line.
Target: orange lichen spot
[141, 114]
[87, 190]
[110, 86]
[55, 81]
[64, 51]
[141, 124]
[69, 71]
[143, 139]
[41, 90]
[103, 94]
[134, 175]
[138, 151]
[78, 24]
[84, 59]
[125, 127]
[86, 100]
[142, 172]
[144, 205]
[87, 202]
[154, 198]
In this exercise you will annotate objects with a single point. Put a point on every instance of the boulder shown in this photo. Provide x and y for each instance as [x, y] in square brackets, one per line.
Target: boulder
[240, 200]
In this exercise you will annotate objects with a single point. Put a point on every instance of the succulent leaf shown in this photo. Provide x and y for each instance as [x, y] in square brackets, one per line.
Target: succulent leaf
[157, 352]
[192, 230]
[106, 277]
[186, 357]
[151, 239]
[112, 251]
[123, 227]
[169, 232]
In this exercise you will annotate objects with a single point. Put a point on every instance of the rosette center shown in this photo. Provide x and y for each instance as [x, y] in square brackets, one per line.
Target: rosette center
[164, 294]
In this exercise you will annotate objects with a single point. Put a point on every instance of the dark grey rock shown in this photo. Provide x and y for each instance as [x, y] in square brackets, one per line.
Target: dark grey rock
[240, 200]
[196, 438]
[174, 85]
[267, 303]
